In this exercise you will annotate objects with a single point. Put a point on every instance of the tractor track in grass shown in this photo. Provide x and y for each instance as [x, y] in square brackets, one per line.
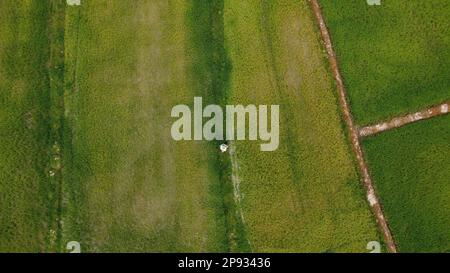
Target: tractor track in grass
[352, 130]
[397, 122]
[236, 180]
[210, 37]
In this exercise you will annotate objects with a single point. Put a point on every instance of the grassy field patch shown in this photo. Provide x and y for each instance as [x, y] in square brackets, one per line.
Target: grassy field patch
[26, 193]
[411, 173]
[306, 196]
[131, 187]
[394, 58]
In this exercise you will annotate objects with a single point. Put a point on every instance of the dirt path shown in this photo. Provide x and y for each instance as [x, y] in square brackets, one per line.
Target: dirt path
[438, 110]
[354, 135]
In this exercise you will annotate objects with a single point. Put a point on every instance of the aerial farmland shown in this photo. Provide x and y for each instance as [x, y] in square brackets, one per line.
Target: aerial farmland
[224, 126]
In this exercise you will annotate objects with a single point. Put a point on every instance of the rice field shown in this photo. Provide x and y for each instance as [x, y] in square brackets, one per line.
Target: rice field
[410, 169]
[130, 187]
[394, 60]
[27, 197]
[394, 57]
[306, 196]
[85, 126]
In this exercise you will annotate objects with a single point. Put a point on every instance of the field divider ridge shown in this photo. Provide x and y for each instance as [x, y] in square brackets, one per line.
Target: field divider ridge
[397, 122]
[354, 133]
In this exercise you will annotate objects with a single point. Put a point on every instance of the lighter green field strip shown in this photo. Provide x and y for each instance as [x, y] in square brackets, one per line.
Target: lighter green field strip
[306, 196]
[130, 186]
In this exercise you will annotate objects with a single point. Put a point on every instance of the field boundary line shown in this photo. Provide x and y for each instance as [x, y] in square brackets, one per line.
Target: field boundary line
[397, 122]
[354, 134]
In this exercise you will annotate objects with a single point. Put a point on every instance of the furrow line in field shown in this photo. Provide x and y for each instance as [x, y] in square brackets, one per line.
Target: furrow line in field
[397, 122]
[354, 134]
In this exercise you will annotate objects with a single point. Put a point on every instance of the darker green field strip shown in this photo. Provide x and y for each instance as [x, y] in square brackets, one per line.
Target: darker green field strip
[410, 170]
[395, 58]
[30, 78]
[209, 74]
